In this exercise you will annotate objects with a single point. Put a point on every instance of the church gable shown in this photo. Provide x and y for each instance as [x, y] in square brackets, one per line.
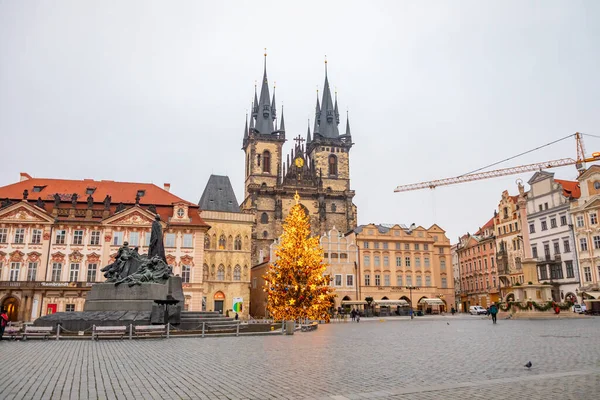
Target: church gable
[133, 216]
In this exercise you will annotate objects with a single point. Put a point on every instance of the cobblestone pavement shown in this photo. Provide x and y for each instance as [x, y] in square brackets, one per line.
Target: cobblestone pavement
[443, 357]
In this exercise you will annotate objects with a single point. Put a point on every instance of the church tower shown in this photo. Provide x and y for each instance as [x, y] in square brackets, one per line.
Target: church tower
[317, 169]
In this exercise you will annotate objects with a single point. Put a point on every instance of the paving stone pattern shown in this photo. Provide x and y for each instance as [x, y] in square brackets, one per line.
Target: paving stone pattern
[420, 359]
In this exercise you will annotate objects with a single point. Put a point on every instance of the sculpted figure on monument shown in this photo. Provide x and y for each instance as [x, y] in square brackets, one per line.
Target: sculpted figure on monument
[156, 247]
[126, 262]
[153, 270]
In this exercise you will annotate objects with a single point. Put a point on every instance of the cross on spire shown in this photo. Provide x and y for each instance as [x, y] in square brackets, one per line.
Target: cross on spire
[299, 140]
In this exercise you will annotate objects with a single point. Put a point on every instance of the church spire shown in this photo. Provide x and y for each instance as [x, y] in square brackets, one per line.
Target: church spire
[308, 139]
[328, 125]
[264, 115]
[246, 128]
[273, 105]
[317, 114]
[255, 103]
[282, 123]
[336, 111]
[347, 124]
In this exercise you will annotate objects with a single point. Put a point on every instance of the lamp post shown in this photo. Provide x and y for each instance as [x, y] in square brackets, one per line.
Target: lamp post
[410, 289]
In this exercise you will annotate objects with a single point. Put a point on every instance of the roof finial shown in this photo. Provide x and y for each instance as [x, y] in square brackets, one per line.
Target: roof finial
[265, 59]
[325, 64]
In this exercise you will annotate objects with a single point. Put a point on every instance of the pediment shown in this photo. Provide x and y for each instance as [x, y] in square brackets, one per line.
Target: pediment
[23, 212]
[540, 176]
[592, 204]
[134, 216]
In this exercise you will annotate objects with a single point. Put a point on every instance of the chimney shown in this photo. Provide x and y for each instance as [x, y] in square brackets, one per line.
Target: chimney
[167, 187]
[24, 176]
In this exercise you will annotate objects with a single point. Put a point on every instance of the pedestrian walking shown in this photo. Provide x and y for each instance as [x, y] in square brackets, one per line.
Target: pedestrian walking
[353, 314]
[357, 316]
[452, 310]
[3, 322]
[236, 316]
[493, 312]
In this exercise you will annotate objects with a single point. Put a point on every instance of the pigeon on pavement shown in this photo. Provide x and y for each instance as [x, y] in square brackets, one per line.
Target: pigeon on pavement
[529, 364]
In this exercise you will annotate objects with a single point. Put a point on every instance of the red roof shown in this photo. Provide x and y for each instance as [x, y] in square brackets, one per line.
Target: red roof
[120, 192]
[570, 188]
[489, 224]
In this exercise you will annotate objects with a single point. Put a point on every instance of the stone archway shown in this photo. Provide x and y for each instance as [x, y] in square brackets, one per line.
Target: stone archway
[510, 297]
[219, 302]
[11, 305]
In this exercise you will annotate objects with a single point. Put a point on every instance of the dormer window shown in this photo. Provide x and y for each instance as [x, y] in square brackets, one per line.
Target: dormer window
[180, 213]
[141, 193]
[90, 191]
[38, 188]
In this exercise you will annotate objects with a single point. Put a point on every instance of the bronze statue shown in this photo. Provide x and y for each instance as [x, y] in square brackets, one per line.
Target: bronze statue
[153, 270]
[56, 200]
[90, 201]
[107, 200]
[156, 247]
[74, 199]
[25, 194]
[126, 262]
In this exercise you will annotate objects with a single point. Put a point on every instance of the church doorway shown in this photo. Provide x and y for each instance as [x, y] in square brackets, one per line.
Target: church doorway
[11, 305]
[219, 302]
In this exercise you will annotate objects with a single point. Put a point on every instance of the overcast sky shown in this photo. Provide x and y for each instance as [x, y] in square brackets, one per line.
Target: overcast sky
[157, 91]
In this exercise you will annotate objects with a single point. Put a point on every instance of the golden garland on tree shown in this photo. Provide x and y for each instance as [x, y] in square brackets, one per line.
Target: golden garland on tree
[296, 284]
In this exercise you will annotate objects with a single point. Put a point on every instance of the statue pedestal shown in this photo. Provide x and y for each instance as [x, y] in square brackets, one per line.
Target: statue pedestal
[108, 297]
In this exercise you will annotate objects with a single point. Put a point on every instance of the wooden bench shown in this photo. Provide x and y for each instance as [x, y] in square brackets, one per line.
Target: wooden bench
[150, 330]
[12, 332]
[222, 327]
[309, 327]
[108, 332]
[37, 331]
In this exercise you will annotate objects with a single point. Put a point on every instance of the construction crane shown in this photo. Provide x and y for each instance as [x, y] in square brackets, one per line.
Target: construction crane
[579, 163]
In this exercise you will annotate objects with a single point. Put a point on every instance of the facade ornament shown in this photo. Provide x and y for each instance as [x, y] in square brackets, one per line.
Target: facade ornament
[56, 200]
[40, 203]
[152, 208]
[137, 199]
[120, 207]
[90, 201]
[25, 194]
[74, 199]
[107, 200]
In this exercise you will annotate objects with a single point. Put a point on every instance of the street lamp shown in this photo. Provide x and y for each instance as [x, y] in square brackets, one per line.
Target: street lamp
[410, 289]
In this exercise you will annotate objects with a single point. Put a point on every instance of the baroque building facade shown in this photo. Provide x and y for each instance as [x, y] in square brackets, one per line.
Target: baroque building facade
[317, 168]
[551, 233]
[227, 246]
[56, 235]
[394, 258]
[585, 212]
[478, 272]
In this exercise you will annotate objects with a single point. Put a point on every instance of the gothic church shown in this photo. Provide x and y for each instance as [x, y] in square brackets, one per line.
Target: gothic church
[318, 168]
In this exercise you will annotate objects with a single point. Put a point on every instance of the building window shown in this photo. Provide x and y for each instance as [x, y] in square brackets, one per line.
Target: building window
[367, 261]
[593, 218]
[547, 251]
[407, 261]
[350, 280]
[338, 280]
[417, 262]
[544, 225]
[95, 238]
[366, 245]
[367, 280]
[70, 308]
[147, 237]
[569, 268]
[264, 218]
[386, 280]
[61, 235]
[385, 245]
[425, 247]
[206, 242]
[408, 280]
[15, 268]
[583, 244]
[542, 272]
[19, 235]
[3, 235]
[377, 280]
[406, 246]
[556, 248]
[596, 242]
[552, 222]
[221, 273]
[186, 272]
[398, 280]
[398, 261]
[117, 238]
[376, 245]
[376, 261]
[238, 243]
[74, 272]
[556, 271]
[563, 220]
[32, 271]
[91, 272]
[170, 240]
[78, 237]
[441, 250]
[419, 280]
[580, 221]
[237, 273]
[443, 264]
[266, 161]
[567, 245]
[427, 263]
[427, 280]
[333, 165]
[56, 272]
[587, 274]
[134, 239]
[386, 261]
[188, 240]
[265, 234]
[444, 283]
[397, 246]
[531, 228]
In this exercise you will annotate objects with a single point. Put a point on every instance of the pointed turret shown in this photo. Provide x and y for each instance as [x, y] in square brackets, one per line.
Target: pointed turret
[347, 124]
[317, 114]
[264, 117]
[273, 105]
[282, 122]
[246, 128]
[336, 111]
[255, 103]
[308, 139]
[328, 125]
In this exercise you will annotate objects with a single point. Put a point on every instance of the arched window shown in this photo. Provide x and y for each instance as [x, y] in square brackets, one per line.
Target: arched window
[333, 165]
[205, 272]
[238, 243]
[237, 273]
[206, 242]
[222, 242]
[266, 161]
[264, 218]
[221, 273]
[185, 273]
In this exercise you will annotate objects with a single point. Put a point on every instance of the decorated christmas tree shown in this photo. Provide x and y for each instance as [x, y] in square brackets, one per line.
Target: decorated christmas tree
[296, 284]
